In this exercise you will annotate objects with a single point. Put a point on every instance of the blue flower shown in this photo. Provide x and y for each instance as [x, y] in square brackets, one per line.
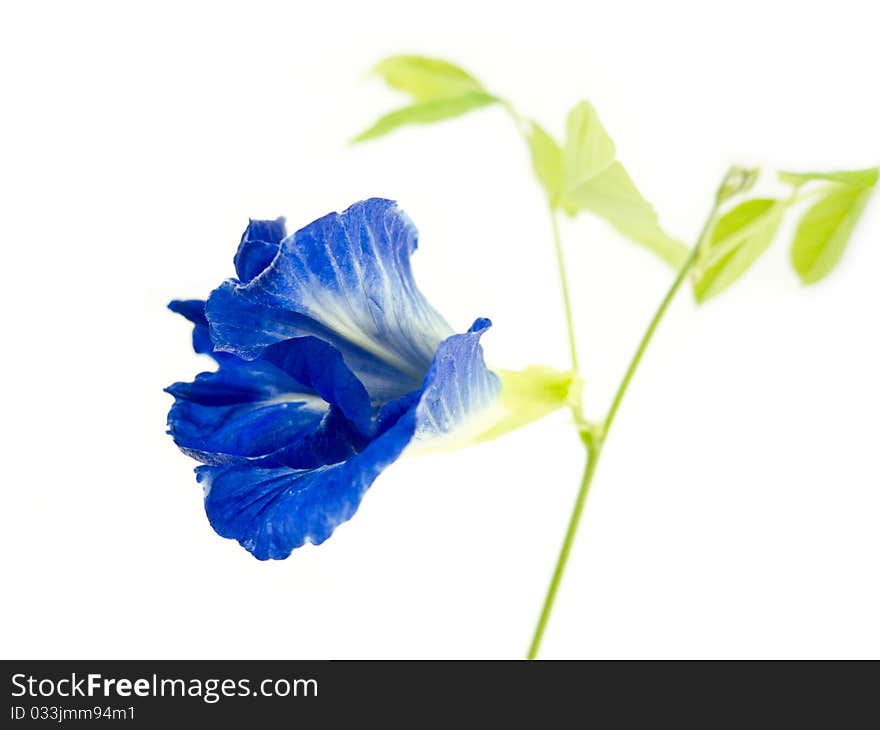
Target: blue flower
[330, 362]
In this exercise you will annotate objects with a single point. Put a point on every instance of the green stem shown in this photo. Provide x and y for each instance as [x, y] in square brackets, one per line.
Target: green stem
[566, 296]
[522, 126]
[574, 520]
[594, 444]
[646, 338]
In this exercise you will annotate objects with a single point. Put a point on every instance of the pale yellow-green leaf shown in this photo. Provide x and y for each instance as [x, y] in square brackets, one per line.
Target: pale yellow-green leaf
[426, 78]
[737, 240]
[824, 231]
[866, 178]
[613, 196]
[588, 148]
[546, 161]
[426, 112]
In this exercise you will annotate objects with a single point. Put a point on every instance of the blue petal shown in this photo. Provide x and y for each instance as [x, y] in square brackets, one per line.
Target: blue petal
[458, 386]
[346, 279]
[273, 511]
[320, 367]
[194, 311]
[289, 433]
[255, 414]
[265, 230]
[259, 245]
[248, 322]
[300, 406]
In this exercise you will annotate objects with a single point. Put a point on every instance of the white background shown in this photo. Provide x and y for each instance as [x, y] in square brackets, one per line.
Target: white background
[735, 512]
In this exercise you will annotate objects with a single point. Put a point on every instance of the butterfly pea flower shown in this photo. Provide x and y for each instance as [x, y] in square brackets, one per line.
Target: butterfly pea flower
[330, 362]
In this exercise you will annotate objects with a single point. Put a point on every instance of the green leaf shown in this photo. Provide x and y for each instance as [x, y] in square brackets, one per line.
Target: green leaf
[737, 240]
[866, 178]
[824, 231]
[588, 148]
[613, 196]
[546, 161]
[425, 112]
[593, 181]
[426, 78]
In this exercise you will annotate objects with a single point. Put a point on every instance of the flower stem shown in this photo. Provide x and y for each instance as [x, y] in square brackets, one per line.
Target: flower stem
[566, 297]
[646, 338]
[574, 520]
[595, 443]
[523, 125]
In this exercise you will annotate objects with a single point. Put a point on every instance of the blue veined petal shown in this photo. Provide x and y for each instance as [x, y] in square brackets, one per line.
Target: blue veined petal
[271, 512]
[194, 311]
[459, 389]
[298, 433]
[320, 366]
[256, 414]
[247, 322]
[259, 245]
[273, 231]
[345, 278]
[299, 405]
